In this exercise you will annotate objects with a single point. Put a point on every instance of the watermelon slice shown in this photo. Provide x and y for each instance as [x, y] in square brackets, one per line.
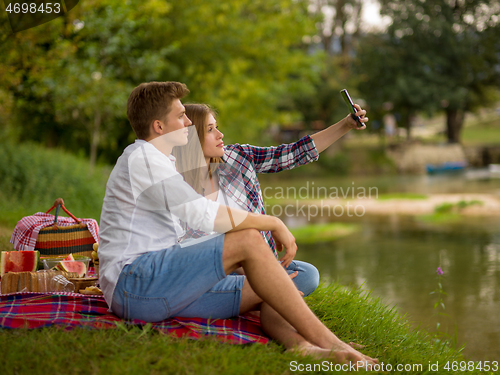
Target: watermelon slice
[59, 265]
[18, 261]
[69, 264]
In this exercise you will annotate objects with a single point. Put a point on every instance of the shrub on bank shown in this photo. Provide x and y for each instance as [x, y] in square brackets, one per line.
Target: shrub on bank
[32, 177]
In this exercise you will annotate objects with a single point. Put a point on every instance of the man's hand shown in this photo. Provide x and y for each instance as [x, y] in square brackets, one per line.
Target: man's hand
[284, 239]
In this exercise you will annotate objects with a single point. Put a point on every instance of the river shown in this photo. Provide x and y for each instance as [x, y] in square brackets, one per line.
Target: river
[396, 258]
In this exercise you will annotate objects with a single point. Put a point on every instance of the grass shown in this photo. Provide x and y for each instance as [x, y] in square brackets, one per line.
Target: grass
[456, 207]
[351, 313]
[448, 213]
[314, 233]
[482, 132]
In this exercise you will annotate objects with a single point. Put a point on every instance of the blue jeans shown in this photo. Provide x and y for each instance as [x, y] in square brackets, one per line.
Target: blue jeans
[188, 281]
[307, 279]
[179, 281]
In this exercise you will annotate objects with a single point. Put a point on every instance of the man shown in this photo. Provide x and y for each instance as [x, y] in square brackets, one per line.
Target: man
[146, 274]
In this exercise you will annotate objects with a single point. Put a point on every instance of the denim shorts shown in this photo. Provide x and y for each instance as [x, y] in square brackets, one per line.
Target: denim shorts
[185, 281]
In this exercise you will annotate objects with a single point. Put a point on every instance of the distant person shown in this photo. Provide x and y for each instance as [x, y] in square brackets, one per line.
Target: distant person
[229, 174]
[390, 125]
[146, 274]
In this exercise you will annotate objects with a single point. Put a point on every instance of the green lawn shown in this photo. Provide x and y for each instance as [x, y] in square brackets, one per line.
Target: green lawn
[352, 314]
[482, 134]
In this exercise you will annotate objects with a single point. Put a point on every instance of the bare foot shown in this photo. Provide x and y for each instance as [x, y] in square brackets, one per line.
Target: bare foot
[312, 351]
[356, 346]
[339, 355]
[347, 353]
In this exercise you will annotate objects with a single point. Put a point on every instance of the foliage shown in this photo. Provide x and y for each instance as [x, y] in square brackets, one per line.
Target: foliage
[338, 164]
[438, 55]
[69, 79]
[31, 178]
[439, 306]
[339, 28]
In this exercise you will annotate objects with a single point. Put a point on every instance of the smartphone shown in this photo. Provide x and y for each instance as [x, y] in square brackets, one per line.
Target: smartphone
[351, 106]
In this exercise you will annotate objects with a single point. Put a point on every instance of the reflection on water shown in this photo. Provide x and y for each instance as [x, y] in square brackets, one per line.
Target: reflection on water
[397, 257]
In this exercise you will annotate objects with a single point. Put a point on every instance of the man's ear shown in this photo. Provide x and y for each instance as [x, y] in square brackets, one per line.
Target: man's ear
[157, 127]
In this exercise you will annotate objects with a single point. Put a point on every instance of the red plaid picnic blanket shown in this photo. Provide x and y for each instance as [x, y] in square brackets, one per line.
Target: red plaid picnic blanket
[27, 229]
[69, 310]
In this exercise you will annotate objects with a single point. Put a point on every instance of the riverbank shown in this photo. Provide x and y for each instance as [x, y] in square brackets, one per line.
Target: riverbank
[464, 204]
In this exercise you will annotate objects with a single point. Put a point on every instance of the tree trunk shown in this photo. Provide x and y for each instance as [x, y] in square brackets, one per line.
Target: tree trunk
[454, 122]
[406, 118]
[94, 139]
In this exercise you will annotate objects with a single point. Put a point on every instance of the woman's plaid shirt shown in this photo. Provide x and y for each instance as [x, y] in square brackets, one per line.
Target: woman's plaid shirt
[238, 176]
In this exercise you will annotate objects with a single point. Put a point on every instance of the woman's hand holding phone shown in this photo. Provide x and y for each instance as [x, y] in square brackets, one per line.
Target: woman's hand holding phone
[357, 116]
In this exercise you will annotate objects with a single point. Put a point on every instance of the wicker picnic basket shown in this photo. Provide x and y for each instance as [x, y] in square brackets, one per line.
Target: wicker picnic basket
[63, 240]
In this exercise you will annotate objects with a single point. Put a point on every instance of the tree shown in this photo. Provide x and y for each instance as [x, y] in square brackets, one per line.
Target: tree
[340, 22]
[69, 78]
[439, 55]
[338, 26]
[91, 83]
[242, 57]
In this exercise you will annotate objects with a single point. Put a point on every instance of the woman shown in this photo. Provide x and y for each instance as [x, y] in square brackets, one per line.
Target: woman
[228, 174]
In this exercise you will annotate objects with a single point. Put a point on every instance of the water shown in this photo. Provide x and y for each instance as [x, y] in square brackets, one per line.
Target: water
[471, 181]
[396, 257]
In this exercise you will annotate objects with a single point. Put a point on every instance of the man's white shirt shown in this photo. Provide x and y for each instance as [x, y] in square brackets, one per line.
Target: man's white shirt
[145, 200]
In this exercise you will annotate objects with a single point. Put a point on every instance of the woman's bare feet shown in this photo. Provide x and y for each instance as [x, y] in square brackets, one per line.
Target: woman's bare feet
[356, 346]
[311, 351]
[346, 353]
[339, 355]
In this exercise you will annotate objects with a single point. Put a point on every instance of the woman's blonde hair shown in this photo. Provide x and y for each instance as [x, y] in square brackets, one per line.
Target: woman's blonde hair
[188, 157]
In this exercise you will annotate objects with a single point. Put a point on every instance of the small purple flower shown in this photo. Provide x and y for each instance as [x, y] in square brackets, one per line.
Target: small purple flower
[439, 271]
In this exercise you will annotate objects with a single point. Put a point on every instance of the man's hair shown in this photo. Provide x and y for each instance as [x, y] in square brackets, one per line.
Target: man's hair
[152, 101]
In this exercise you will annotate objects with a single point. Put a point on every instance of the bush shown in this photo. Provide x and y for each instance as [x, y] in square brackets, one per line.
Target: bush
[32, 177]
[338, 164]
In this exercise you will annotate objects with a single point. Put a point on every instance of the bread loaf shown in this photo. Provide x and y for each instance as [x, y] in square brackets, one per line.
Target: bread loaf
[32, 281]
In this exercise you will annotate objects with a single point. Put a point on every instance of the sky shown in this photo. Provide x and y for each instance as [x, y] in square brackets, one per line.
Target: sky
[371, 16]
